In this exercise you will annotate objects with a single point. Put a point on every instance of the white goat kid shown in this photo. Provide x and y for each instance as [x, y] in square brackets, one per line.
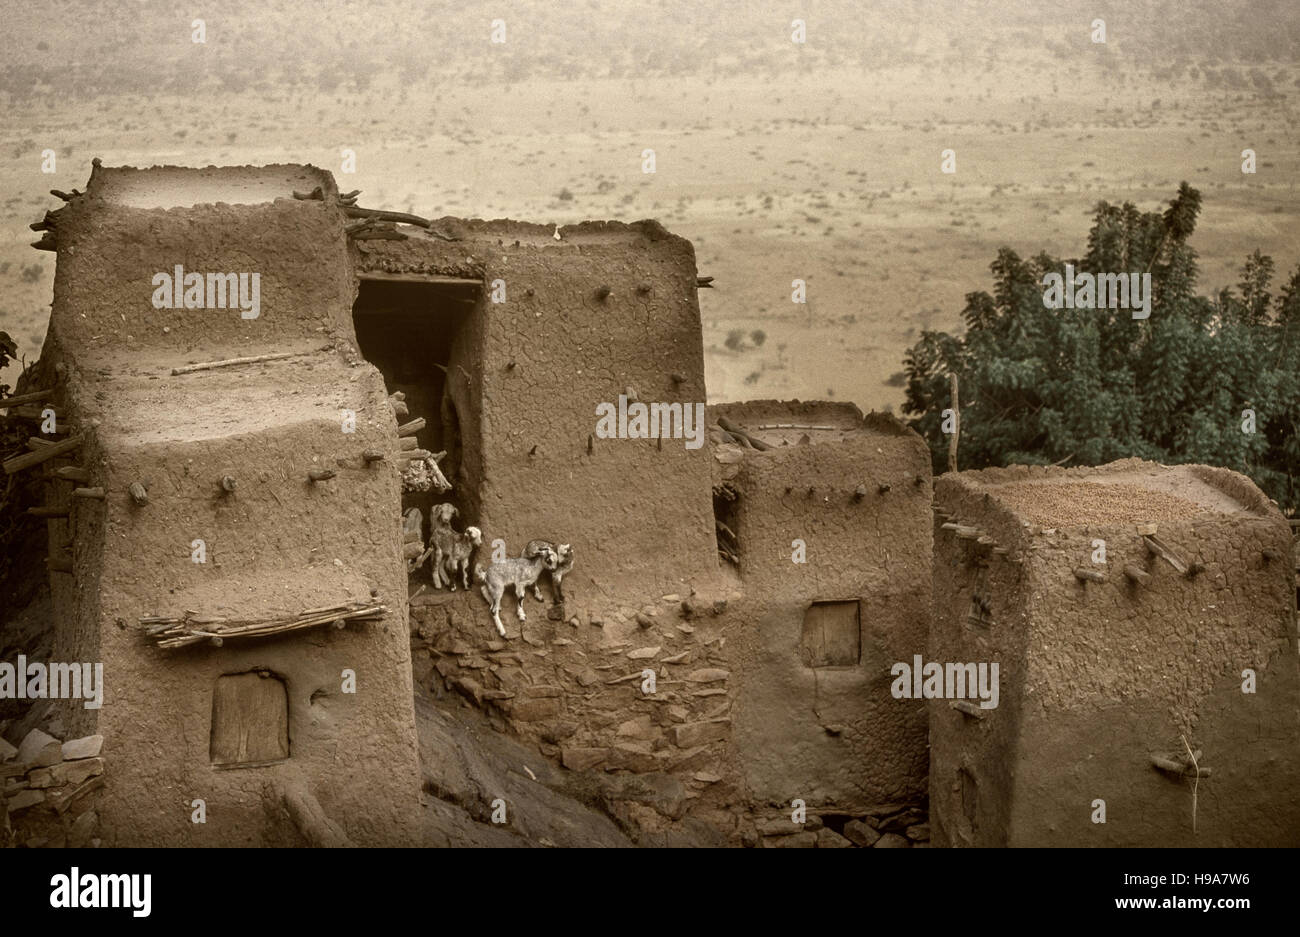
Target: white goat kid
[457, 558]
[520, 572]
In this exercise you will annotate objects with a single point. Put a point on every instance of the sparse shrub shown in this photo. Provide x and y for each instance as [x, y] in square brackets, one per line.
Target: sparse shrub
[758, 337]
[30, 274]
[735, 339]
[565, 195]
[753, 376]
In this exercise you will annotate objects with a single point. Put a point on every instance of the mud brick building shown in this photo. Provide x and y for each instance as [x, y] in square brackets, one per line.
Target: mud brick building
[815, 716]
[1107, 667]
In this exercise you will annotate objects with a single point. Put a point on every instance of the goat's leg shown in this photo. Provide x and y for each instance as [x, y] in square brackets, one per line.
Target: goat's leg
[437, 566]
[521, 590]
[464, 572]
[449, 573]
[556, 579]
[495, 602]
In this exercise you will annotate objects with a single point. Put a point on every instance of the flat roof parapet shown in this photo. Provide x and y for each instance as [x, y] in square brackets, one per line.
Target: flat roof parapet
[185, 187]
[1129, 491]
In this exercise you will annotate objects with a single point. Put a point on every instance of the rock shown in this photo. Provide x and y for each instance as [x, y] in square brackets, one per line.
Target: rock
[24, 799]
[707, 675]
[638, 728]
[67, 798]
[469, 688]
[83, 829]
[671, 597]
[691, 734]
[41, 778]
[7, 751]
[691, 760]
[829, 839]
[588, 677]
[542, 692]
[707, 777]
[860, 834]
[778, 826]
[643, 653]
[919, 833]
[534, 710]
[582, 759]
[75, 772]
[801, 840]
[900, 822]
[663, 792]
[644, 620]
[892, 841]
[39, 749]
[559, 731]
[683, 658]
[678, 713]
[632, 756]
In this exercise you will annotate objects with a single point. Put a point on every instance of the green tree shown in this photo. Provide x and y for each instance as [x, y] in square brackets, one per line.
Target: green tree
[1087, 386]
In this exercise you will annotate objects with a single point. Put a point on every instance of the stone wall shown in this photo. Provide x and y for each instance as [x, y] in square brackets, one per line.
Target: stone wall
[50, 791]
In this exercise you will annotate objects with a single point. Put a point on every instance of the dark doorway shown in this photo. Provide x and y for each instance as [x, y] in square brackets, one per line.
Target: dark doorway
[408, 329]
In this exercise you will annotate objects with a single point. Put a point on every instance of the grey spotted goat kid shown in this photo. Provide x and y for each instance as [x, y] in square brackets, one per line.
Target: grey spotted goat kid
[442, 539]
[520, 572]
[563, 564]
[457, 558]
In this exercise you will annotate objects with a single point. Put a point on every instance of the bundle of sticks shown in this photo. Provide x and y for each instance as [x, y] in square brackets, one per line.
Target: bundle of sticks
[194, 628]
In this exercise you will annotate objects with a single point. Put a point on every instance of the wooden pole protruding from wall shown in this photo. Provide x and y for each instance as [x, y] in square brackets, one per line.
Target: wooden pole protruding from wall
[45, 511]
[1137, 575]
[411, 428]
[93, 494]
[228, 484]
[138, 493]
[373, 455]
[956, 424]
[59, 564]
[32, 396]
[43, 454]
[72, 473]
[1083, 574]
[320, 475]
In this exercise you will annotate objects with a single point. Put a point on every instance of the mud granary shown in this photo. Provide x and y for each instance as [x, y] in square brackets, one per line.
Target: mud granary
[1144, 621]
[225, 507]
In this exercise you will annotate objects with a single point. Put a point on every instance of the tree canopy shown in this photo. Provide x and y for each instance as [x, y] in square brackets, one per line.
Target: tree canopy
[1039, 385]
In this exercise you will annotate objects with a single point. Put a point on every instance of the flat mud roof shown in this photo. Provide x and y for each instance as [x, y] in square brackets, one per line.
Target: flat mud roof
[1126, 493]
[182, 187]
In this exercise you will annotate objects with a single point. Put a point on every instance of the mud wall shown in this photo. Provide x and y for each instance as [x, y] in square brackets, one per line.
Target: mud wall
[832, 734]
[108, 255]
[556, 348]
[276, 546]
[1108, 674]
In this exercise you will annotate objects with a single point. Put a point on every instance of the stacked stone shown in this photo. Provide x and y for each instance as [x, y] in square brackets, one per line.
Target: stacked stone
[49, 790]
[888, 826]
[574, 687]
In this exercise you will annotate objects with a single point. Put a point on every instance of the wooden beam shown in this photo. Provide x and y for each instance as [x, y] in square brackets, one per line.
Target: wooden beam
[94, 494]
[1161, 550]
[34, 396]
[411, 428]
[72, 473]
[230, 362]
[44, 511]
[44, 454]
[1083, 574]
[1137, 574]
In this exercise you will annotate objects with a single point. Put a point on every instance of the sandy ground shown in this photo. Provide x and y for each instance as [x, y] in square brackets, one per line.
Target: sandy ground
[832, 177]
